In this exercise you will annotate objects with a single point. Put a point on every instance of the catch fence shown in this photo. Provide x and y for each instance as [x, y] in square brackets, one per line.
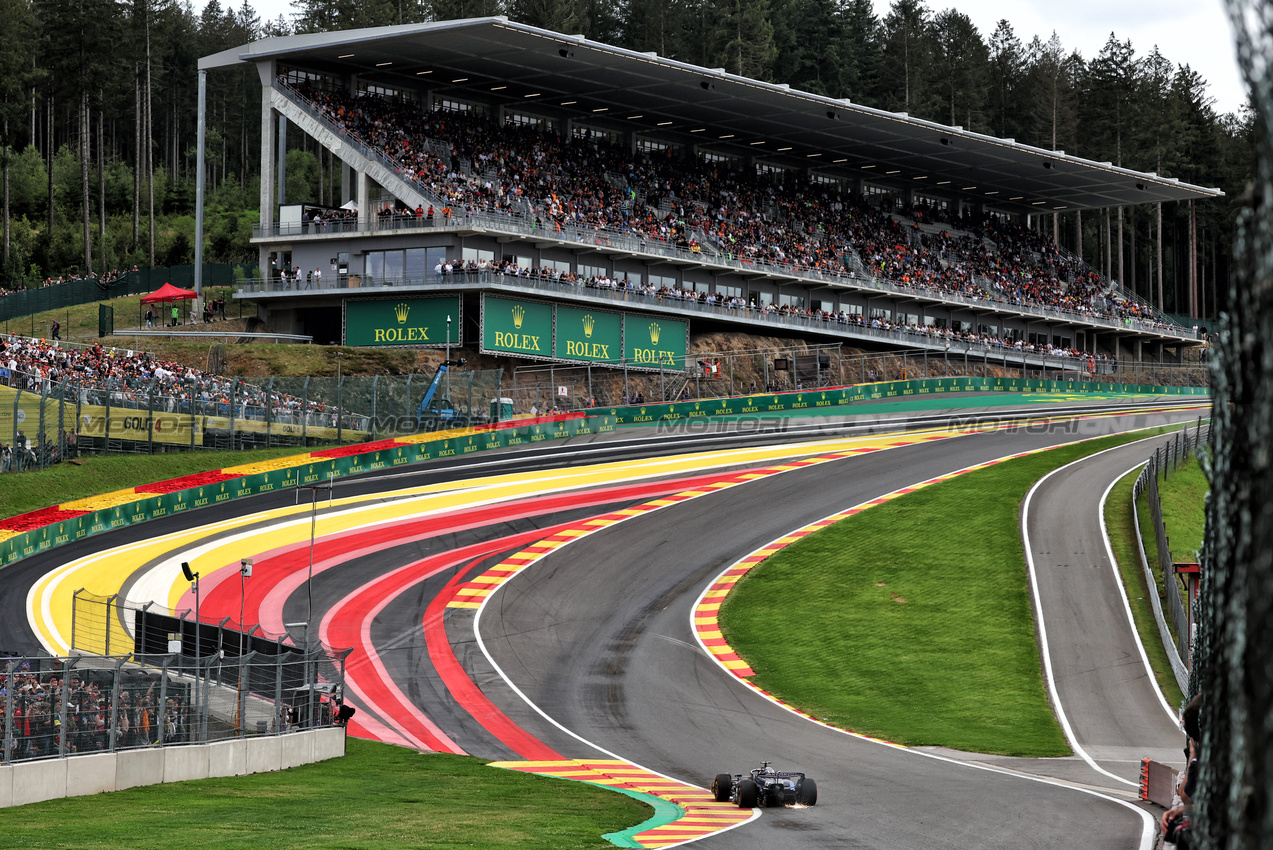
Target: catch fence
[1171, 598]
[43, 422]
[55, 707]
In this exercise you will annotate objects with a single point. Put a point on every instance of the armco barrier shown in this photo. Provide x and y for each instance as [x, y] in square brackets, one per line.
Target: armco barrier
[766, 403]
[321, 465]
[78, 776]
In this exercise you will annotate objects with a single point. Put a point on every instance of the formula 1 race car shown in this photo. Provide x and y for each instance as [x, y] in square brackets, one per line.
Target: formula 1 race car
[765, 786]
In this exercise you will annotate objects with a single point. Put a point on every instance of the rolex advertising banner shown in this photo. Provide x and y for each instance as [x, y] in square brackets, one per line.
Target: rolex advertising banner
[593, 336]
[654, 342]
[402, 321]
[517, 326]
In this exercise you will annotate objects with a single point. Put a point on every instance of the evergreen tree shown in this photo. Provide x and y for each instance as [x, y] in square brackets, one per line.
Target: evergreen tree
[1109, 102]
[1006, 81]
[564, 16]
[657, 26]
[742, 40]
[17, 76]
[906, 55]
[959, 65]
[812, 45]
[1051, 95]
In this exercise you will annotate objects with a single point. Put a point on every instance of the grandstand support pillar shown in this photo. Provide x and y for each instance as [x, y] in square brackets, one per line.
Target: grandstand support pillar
[1078, 234]
[364, 193]
[282, 159]
[200, 157]
[268, 141]
[346, 188]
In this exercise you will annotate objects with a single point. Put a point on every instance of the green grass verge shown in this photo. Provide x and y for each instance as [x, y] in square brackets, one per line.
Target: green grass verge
[1184, 508]
[1121, 524]
[96, 474]
[911, 621]
[375, 797]
[1183, 497]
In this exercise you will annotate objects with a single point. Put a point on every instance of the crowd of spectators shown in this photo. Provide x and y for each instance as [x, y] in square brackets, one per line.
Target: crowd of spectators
[108, 277]
[136, 379]
[35, 729]
[473, 271]
[472, 165]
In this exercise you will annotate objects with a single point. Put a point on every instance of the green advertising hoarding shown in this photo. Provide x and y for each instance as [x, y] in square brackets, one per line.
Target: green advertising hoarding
[654, 342]
[517, 326]
[403, 321]
[592, 336]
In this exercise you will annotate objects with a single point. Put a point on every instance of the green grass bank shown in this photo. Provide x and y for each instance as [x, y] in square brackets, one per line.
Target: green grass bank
[911, 621]
[375, 797]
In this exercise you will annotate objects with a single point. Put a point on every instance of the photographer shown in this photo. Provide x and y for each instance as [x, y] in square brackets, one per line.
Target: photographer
[1175, 821]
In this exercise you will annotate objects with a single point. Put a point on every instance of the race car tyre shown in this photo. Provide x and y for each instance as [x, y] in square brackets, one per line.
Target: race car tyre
[722, 787]
[747, 794]
[807, 792]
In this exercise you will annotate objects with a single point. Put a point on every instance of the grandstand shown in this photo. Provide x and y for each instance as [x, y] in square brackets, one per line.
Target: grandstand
[503, 184]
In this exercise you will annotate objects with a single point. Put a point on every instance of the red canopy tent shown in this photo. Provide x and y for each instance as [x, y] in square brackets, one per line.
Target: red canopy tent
[168, 292]
[163, 295]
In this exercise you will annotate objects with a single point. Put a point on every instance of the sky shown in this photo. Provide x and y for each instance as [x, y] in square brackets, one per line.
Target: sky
[1187, 32]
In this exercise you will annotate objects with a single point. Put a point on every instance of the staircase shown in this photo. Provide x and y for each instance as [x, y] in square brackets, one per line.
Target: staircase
[349, 150]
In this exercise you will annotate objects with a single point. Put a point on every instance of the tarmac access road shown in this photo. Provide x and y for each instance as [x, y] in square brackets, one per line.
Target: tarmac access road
[1098, 675]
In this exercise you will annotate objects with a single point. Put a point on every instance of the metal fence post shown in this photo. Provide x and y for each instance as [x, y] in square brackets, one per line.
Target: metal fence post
[161, 710]
[110, 600]
[279, 720]
[64, 714]
[305, 414]
[10, 734]
[114, 730]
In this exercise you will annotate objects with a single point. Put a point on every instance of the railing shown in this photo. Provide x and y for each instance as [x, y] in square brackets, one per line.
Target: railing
[671, 303]
[516, 224]
[1166, 459]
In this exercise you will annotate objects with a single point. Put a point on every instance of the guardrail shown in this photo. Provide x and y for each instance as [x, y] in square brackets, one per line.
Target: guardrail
[1166, 459]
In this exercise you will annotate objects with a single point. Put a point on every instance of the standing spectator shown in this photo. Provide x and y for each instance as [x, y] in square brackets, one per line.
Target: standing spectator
[56, 330]
[176, 315]
[150, 317]
[318, 278]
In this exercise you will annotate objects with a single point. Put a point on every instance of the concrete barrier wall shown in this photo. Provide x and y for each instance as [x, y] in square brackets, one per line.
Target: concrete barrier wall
[77, 776]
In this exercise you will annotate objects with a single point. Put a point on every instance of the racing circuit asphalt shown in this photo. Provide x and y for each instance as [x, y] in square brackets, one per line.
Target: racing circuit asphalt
[598, 636]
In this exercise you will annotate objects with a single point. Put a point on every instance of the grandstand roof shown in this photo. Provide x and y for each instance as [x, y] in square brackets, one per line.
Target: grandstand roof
[494, 60]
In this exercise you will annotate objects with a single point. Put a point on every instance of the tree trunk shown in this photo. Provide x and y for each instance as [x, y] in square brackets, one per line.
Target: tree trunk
[7, 153]
[1120, 246]
[101, 187]
[50, 153]
[1078, 233]
[86, 153]
[1131, 236]
[137, 161]
[1162, 305]
[149, 147]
